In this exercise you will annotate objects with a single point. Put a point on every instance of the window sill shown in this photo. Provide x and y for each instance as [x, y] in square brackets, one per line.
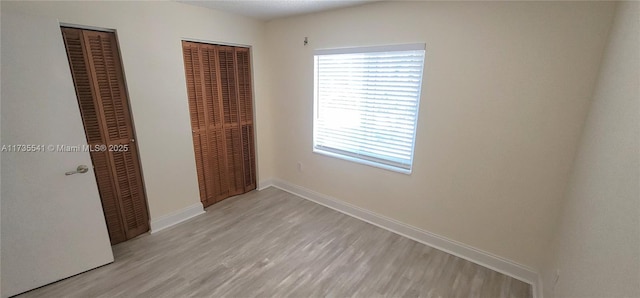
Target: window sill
[363, 161]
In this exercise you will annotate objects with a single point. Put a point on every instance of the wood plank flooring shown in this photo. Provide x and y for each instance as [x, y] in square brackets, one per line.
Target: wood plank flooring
[270, 243]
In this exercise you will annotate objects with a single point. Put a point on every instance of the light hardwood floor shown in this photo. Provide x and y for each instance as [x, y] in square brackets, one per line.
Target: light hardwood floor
[270, 243]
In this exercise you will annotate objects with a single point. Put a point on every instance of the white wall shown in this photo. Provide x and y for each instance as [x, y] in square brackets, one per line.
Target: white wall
[505, 93]
[597, 244]
[149, 35]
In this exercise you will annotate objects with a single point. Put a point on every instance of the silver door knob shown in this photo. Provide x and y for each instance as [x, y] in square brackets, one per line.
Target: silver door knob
[80, 169]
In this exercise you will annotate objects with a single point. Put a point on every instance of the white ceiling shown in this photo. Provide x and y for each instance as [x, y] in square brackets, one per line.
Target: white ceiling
[273, 9]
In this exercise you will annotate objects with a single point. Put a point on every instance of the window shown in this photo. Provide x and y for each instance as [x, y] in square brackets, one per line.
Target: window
[366, 104]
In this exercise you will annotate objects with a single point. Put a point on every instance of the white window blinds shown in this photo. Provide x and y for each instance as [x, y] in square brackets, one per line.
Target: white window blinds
[366, 104]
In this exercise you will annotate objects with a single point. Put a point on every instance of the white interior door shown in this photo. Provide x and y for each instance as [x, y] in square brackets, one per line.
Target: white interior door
[52, 225]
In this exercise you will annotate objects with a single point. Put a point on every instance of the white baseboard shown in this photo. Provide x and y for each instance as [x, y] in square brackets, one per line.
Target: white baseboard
[453, 247]
[176, 217]
[265, 183]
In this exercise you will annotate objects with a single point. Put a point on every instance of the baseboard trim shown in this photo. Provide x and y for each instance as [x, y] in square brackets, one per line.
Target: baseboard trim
[453, 247]
[176, 217]
[265, 184]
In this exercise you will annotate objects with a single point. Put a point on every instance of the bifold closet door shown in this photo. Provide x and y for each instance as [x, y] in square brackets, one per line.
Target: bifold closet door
[245, 102]
[99, 82]
[220, 104]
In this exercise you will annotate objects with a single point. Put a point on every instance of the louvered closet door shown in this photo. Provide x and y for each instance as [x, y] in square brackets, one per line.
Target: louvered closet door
[245, 106]
[230, 105]
[220, 104]
[206, 121]
[97, 75]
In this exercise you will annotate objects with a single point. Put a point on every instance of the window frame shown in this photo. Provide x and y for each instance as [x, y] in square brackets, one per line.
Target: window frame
[385, 164]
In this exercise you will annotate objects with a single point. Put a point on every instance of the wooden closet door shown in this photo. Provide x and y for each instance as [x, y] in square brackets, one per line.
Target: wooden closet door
[206, 121]
[220, 104]
[99, 81]
[230, 108]
[245, 106]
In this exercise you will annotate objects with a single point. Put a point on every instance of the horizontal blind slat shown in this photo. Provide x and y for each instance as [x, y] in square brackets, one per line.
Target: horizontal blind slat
[364, 142]
[371, 128]
[391, 136]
